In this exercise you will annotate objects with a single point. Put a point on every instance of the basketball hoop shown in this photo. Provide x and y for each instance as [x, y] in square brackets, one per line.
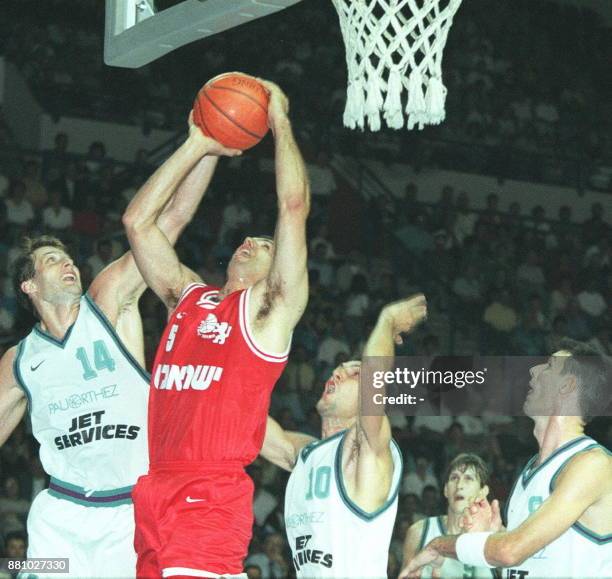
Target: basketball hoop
[385, 39]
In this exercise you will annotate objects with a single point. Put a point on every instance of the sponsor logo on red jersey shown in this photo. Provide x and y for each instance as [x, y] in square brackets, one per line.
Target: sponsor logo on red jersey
[208, 300]
[174, 376]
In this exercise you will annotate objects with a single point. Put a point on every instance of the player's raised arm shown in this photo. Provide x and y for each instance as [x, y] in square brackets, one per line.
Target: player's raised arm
[153, 251]
[394, 319]
[117, 288]
[12, 398]
[283, 294]
[282, 447]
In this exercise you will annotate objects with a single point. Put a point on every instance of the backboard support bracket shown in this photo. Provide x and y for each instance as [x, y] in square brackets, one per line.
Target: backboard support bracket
[135, 34]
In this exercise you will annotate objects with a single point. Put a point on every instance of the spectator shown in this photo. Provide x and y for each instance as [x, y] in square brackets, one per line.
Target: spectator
[103, 257]
[56, 217]
[35, 191]
[19, 211]
[13, 508]
[415, 482]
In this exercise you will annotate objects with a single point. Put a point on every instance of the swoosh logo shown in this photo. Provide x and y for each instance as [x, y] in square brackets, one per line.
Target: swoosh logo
[34, 368]
[190, 500]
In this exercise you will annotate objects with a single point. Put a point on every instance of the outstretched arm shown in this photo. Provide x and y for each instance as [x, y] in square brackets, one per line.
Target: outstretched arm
[282, 447]
[583, 483]
[153, 251]
[12, 398]
[278, 302]
[394, 319]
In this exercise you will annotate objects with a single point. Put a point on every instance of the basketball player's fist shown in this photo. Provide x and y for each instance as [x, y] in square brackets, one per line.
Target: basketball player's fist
[206, 145]
[482, 516]
[405, 315]
[278, 106]
[429, 556]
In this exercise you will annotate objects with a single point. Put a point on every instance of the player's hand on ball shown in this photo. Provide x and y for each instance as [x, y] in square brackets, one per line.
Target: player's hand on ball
[278, 107]
[405, 315]
[209, 146]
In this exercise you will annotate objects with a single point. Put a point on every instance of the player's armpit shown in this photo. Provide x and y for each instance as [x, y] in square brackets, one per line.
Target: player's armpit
[282, 447]
[581, 484]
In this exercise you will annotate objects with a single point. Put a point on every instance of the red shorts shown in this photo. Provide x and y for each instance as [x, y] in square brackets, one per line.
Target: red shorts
[192, 517]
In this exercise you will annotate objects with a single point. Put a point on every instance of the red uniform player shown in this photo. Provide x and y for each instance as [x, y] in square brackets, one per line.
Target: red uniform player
[220, 356]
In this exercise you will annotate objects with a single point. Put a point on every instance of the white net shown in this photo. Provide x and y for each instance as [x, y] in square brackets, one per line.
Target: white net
[394, 56]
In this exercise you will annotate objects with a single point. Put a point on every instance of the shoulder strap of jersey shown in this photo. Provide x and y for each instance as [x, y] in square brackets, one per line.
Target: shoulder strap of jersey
[188, 289]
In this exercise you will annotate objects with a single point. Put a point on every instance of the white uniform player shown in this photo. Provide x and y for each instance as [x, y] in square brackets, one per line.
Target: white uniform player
[578, 552]
[79, 374]
[434, 527]
[324, 525]
[560, 510]
[87, 399]
[341, 498]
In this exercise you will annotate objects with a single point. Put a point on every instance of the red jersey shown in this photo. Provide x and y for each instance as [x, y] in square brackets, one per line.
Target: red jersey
[210, 385]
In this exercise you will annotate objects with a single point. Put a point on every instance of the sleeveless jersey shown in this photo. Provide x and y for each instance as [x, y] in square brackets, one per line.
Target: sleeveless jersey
[578, 552]
[87, 398]
[211, 384]
[329, 535]
[451, 569]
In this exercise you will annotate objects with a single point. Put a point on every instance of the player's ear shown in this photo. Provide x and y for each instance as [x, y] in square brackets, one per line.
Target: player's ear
[484, 492]
[445, 490]
[28, 286]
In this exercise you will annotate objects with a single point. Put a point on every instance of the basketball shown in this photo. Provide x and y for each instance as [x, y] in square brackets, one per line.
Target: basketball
[232, 108]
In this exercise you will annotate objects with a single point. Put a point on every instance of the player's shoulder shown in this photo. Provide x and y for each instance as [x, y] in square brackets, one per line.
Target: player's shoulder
[594, 462]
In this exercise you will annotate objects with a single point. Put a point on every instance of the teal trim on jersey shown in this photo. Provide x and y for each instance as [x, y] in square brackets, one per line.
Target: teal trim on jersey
[344, 495]
[86, 503]
[113, 334]
[441, 525]
[423, 535]
[579, 527]
[20, 381]
[305, 452]
[528, 476]
[83, 491]
[52, 339]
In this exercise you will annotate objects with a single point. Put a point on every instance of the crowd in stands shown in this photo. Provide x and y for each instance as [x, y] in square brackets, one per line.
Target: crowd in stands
[514, 107]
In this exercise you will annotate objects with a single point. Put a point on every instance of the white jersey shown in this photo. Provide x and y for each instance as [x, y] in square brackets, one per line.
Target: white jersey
[577, 553]
[329, 535]
[87, 399]
[434, 527]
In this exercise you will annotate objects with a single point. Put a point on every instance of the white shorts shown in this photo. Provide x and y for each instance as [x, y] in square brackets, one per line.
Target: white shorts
[98, 541]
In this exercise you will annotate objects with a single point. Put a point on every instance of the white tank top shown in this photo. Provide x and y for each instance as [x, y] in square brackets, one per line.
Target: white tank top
[87, 399]
[329, 535]
[579, 552]
[451, 569]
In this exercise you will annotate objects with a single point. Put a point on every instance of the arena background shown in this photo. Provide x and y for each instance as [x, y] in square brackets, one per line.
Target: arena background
[501, 215]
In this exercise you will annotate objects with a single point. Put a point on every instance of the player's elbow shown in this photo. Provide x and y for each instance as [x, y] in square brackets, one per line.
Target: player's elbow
[133, 223]
[295, 202]
[508, 554]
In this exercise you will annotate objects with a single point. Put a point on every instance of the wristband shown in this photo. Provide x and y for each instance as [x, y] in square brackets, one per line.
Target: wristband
[470, 549]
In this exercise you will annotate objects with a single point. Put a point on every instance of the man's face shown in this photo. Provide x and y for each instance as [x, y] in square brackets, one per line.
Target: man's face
[16, 548]
[547, 382]
[341, 392]
[252, 260]
[56, 277]
[462, 487]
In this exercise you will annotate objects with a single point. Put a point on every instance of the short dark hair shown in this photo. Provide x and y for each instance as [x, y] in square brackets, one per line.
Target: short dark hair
[593, 372]
[23, 267]
[466, 460]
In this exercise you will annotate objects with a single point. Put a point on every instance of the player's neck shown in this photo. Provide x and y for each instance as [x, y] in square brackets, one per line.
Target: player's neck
[56, 319]
[332, 424]
[234, 285]
[552, 432]
[451, 522]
